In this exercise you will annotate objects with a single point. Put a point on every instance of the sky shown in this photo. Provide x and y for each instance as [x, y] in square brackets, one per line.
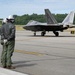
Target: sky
[21, 7]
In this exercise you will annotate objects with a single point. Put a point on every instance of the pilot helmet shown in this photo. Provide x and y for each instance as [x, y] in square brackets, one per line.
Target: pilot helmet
[11, 18]
[4, 20]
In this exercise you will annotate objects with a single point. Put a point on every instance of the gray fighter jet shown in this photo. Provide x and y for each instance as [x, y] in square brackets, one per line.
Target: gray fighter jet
[51, 25]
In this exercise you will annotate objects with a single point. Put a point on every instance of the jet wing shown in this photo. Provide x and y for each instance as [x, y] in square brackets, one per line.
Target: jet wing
[34, 23]
[38, 26]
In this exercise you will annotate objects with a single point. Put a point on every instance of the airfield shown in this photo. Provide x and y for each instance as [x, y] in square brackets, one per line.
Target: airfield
[44, 55]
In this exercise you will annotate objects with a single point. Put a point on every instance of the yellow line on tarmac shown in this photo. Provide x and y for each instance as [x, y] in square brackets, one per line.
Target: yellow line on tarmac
[29, 52]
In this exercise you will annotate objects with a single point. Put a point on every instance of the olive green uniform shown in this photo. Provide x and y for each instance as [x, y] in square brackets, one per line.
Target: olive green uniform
[7, 32]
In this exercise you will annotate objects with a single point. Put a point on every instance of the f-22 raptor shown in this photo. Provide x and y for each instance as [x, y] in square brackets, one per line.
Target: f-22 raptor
[51, 25]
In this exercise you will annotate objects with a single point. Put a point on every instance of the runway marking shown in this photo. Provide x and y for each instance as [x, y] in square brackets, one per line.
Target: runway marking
[29, 52]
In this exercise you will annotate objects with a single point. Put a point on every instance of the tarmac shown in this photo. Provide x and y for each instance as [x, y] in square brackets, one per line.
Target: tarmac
[44, 55]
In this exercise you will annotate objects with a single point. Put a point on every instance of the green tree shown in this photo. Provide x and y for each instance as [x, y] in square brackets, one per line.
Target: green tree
[24, 19]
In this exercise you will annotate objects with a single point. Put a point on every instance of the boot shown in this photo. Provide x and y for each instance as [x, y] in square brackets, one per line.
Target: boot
[10, 67]
[4, 66]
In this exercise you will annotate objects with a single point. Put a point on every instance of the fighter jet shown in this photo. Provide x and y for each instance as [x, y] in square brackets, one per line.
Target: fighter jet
[51, 25]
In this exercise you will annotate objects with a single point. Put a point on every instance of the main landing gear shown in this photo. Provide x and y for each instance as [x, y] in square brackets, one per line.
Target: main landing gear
[43, 33]
[34, 33]
[56, 33]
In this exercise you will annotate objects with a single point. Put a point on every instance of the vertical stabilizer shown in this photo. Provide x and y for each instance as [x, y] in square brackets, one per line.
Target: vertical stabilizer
[69, 18]
[50, 17]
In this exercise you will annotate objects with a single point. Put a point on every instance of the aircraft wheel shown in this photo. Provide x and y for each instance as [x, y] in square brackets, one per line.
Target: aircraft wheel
[43, 33]
[34, 34]
[56, 34]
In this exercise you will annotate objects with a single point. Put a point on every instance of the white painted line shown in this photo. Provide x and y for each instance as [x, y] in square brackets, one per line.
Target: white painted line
[9, 72]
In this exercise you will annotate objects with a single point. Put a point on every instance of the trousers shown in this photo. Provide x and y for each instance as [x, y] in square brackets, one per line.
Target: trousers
[7, 53]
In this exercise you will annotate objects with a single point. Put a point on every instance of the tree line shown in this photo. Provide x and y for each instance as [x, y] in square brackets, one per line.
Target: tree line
[24, 19]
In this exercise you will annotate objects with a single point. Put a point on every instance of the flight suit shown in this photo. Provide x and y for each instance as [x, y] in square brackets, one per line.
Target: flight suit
[8, 33]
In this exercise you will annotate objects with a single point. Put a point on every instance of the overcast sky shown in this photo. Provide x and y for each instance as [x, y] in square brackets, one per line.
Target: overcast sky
[21, 7]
